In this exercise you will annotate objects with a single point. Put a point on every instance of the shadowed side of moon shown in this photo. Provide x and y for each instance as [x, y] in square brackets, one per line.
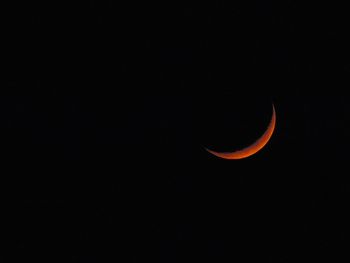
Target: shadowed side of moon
[253, 148]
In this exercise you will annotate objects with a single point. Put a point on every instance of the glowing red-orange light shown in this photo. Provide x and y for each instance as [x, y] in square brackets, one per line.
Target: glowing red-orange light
[253, 148]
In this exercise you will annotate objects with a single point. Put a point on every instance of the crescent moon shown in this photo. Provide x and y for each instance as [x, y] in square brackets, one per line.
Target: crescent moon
[253, 148]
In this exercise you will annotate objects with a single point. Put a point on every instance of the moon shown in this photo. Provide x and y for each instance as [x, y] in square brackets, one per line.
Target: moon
[253, 148]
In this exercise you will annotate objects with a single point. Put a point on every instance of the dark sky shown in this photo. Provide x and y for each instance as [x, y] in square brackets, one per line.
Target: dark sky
[106, 109]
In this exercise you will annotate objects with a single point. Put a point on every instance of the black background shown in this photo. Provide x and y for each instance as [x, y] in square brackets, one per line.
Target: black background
[106, 108]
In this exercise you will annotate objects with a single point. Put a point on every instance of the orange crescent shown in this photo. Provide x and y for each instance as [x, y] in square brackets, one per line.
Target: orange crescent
[253, 148]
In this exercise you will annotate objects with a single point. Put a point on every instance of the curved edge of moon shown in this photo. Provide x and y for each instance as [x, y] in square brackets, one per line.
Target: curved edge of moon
[253, 148]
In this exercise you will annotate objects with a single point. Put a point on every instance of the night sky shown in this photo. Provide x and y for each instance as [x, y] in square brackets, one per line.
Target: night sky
[106, 109]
